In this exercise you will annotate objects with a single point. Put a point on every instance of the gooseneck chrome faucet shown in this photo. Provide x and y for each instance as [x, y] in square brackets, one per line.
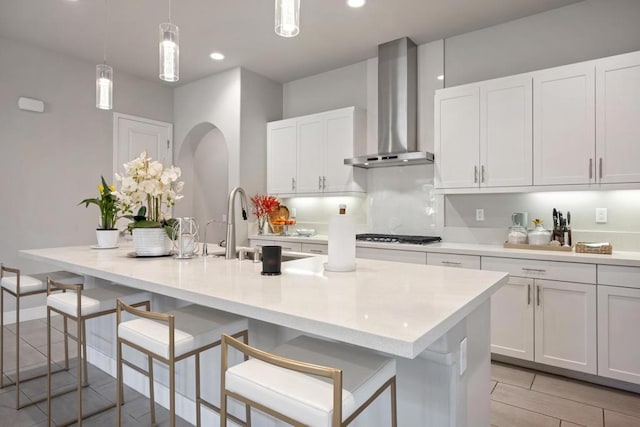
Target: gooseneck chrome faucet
[230, 249]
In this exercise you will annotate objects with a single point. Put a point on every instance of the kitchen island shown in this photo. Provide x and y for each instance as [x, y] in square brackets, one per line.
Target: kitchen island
[422, 315]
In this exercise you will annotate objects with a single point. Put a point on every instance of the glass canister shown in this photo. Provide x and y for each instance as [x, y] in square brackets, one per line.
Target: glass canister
[517, 234]
[539, 236]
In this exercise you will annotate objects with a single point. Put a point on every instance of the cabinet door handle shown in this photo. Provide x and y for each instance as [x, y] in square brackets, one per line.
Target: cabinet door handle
[600, 168]
[590, 168]
[324, 182]
[528, 294]
[319, 182]
[293, 183]
[475, 174]
[538, 292]
[451, 262]
[315, 251]
[482, 174]
[533, 270]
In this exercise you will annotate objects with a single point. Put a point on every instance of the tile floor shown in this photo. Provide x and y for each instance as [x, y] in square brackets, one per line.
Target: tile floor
[519, 397]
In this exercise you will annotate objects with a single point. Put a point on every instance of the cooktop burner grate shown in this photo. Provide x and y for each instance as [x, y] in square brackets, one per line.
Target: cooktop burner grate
[397, 238]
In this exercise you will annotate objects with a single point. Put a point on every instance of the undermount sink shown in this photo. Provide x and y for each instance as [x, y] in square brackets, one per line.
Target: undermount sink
[248, 254]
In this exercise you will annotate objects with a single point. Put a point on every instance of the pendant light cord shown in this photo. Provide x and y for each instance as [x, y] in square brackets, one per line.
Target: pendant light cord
[104, 34]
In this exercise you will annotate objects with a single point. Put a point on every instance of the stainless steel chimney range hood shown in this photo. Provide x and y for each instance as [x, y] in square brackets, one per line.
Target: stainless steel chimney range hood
[397, 108]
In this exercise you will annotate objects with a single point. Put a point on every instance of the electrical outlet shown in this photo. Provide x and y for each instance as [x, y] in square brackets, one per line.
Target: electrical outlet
[479, 214]
[601, 215]
[463, 356]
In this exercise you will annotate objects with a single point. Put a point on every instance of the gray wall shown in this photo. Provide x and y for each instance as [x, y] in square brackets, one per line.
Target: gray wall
[578, 32]
[51, 161]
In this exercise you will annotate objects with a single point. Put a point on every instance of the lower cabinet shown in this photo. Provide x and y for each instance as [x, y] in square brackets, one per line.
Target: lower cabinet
[512, 319]
[618, 342]
[546, 321]
[454, 260]
[286, 246]
[392, 255]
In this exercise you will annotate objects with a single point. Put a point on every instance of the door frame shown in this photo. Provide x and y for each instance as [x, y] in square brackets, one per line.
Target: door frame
[116, 132]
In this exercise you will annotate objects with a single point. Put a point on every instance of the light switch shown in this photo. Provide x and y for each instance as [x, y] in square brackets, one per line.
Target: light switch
[601, 215]
[479, 214]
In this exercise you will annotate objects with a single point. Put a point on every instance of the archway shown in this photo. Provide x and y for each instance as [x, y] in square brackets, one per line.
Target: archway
[204, 160]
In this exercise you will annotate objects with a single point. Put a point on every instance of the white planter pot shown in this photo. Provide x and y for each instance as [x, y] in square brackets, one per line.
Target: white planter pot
[151, 242]
[107, 238]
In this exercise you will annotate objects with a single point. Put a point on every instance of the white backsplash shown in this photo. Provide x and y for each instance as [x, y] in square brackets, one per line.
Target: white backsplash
[314, 212]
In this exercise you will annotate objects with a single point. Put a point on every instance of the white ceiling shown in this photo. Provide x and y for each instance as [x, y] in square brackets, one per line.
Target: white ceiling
[332, 35]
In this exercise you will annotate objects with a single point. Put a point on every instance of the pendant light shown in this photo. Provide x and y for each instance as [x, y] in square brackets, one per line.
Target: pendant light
[104, 74]
[287, 18]
[169, 51]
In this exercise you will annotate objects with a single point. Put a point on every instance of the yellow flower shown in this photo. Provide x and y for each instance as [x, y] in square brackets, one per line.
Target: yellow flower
[101, 188]
[113, 188]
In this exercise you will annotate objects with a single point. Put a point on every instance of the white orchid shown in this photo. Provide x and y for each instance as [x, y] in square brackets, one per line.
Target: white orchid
[148, 182]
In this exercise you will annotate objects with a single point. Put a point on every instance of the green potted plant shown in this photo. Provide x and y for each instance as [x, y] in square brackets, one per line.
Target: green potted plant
[107, 202]
[150, 190]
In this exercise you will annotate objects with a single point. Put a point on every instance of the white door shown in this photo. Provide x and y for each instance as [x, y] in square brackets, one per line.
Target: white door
[457, 137]
[512, 319]
[563, 125]
[506, 134]
[566, 325]
[281, 157]
[133, 135]
[617, 118]
[311, 153]
[339, 137]
[618, 338]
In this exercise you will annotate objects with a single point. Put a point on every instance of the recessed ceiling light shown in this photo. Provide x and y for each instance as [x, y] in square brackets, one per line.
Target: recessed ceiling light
[356, 3]
[217, 56]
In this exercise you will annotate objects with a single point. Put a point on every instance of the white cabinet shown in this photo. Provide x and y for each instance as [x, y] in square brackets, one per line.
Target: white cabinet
[306, 154]
[454, 260]
[315, 248]
[617, 124]
[483, 134]
[512, 319]
[563, 125]
[566, 325]
[506, 136]
[286, 246]
[392, 255]
[457, 137]
[618, 342]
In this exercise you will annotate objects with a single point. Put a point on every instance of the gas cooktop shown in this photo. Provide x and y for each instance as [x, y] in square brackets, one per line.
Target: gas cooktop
[397, 238]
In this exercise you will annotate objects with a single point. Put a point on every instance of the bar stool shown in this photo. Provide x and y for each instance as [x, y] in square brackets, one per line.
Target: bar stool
[296, 392]
[171, 337]
[20, 286]
[81, 305]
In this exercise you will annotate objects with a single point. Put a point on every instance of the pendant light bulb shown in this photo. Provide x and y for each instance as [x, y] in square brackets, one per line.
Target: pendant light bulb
[104, 87]
[287, 18]
[169, 53]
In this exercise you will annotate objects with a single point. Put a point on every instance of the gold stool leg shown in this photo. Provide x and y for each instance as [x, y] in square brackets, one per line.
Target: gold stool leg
[49, 367]
[1, 337]
[119, 386]
[394, 411]
[198, 408]
[84, 353]
[17, 351]
[247, 407]
[172, 391]
[152, 395]
[66, 344]
[80, 363]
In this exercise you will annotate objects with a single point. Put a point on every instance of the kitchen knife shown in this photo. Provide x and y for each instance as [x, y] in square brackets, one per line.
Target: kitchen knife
[560, 219]
[568, 219]
[555, 218]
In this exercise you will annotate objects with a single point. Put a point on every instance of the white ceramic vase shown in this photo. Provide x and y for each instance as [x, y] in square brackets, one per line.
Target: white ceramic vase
[151, 242]
[107, 238]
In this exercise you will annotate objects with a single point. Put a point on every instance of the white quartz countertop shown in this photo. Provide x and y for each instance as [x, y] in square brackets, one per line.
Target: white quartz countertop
[392, 307]
[624, 258]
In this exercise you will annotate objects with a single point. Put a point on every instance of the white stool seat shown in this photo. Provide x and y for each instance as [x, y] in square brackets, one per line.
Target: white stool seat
[307, 398]
[195, 327]
[95, 300]
[38, 282]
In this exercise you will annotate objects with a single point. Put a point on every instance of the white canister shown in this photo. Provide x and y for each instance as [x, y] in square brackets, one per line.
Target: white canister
[539, 236]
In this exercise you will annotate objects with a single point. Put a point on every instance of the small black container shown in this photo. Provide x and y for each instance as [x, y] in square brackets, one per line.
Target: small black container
[271, 260]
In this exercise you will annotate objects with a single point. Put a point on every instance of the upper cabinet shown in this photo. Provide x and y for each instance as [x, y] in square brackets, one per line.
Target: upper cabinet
[483, 134]
[570, 127]
[618, 119]
[564, 123]
[305, 155]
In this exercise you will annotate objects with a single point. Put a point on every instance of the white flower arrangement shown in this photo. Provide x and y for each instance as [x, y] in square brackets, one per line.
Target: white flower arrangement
[149, 189]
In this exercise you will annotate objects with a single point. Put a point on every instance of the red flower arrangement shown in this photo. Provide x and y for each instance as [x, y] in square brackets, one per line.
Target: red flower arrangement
[263, 205]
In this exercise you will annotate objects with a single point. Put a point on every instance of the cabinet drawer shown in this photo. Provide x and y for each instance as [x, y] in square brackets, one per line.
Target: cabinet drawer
[535, 269]
[286, 246]
[454, 260]
[392, 255]
[628, 277]
[315, 248]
